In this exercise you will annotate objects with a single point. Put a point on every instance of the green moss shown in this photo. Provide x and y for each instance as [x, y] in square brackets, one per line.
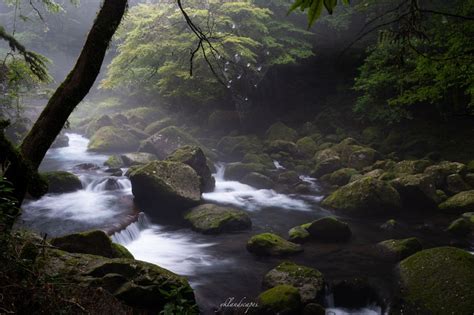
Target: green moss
[340, 177]
[307, 147]
[98, 123]
[175, 184]
[367, 196]
[470, 166]
[110, 139]
[282, 298]
[62, 182]
[308, 281]
[459, 203]
[271, 244]
[401, 248]
[298, 234]
[411, 166]
[121, 252]
[280, 131]
[213, 219]
[114, 161]
[158, 125]
[438, 281]
[461, 227]
[91, 242]
[258, 158]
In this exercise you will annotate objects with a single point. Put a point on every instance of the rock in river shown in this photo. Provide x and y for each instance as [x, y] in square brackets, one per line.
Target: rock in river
[213, 219]
[195, 158]
[308, 281]
[268, 244]
[437, 281]
[92, 242]
[165, 185]
[62, 182]
[364, 197]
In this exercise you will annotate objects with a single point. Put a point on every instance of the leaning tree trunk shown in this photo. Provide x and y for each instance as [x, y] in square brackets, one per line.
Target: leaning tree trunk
[71, 92]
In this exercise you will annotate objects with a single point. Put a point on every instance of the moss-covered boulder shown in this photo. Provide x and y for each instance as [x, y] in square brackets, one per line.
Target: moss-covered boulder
[299, 233]
[340, 177]
[195, 158]
[282, 299]
[114, 161]
[411, 167]
[437, 281]
[399, 249]
[137, 158]
[224, 120]
[158, 125]
[365, 197]
[146, 287]
[238, 170]
[98, 123]
[62, 182]
[92, 242]
[213, 219]
[326, 161]
[141, 117]
[166, 141]
[461, 227]
[259, 158]
[258, 181]
[459, 203]
[329, 229]
[456, 184]
[280, 131]
[281, 147]
[308, 281]
[416, 191]
[362, 157]
[112, 139]
[440, 171]
[165, 185]
[268, 244]
[307, 147]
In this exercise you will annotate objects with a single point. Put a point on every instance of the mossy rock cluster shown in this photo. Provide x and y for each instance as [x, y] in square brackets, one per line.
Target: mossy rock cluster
[92, 242]
[62, 182]
[143, 286]
[364, 197]
[213, 219]
[462, 226]
[400, 249]
[268, 244]
[437, 281]
[459, 203]
[158, 125]
[112, 139]
[308, 281]
[175, 185]
[98, 123]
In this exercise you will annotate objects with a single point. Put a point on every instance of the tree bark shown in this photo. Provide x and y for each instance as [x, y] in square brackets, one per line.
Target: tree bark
[72, 91]
[77, 84]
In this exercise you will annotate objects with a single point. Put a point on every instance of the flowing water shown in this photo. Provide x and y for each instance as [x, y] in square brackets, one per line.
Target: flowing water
[217, 266]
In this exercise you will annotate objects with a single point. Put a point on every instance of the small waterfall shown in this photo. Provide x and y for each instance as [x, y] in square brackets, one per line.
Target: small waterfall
[132, 231]
[94, 184]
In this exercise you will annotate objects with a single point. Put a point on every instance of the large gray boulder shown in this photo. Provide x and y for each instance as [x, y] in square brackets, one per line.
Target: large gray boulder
[165, 185]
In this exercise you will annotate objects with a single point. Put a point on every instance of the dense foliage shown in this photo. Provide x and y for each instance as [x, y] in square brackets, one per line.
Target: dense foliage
[156, 46]
[401, 76]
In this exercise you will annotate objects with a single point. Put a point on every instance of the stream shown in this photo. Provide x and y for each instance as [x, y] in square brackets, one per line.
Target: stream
[217, 266]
